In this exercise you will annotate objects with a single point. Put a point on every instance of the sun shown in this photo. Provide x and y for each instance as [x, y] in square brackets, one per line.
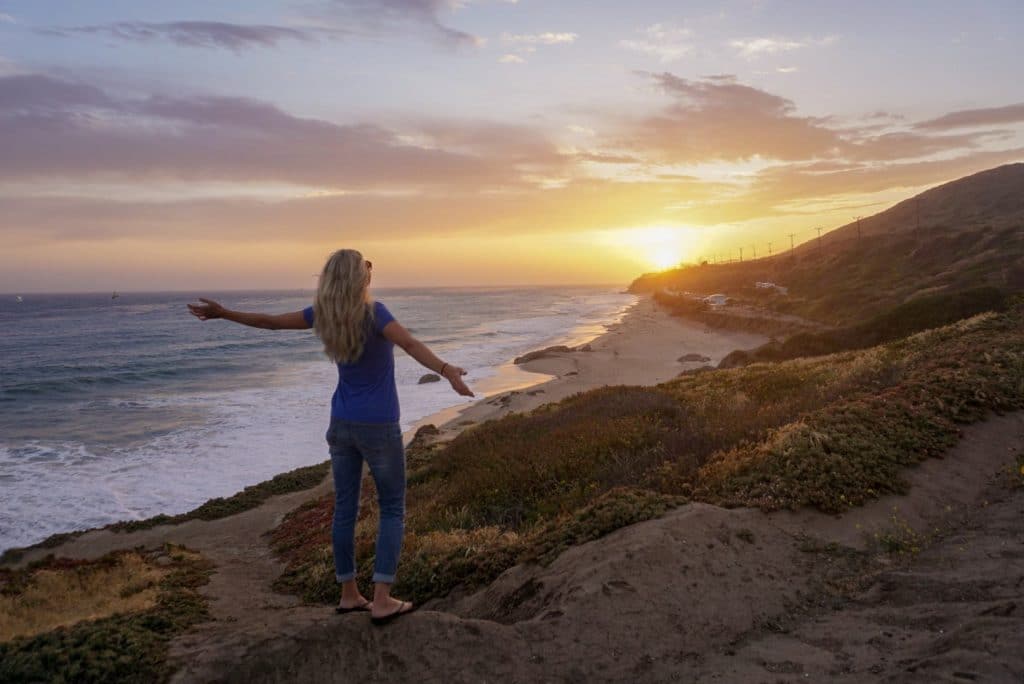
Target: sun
[661, 246]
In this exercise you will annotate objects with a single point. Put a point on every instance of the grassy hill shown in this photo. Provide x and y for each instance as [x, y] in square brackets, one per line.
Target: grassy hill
[971, 235]
[831, 433]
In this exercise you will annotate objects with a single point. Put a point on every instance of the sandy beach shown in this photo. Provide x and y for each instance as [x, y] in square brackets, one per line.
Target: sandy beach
[643, 348]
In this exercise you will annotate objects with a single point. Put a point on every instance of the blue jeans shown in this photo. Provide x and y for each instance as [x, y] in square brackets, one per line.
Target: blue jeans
[380, 445]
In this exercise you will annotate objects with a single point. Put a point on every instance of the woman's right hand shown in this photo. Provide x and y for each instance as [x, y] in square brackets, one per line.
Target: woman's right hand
[206, 311]
[453, 374]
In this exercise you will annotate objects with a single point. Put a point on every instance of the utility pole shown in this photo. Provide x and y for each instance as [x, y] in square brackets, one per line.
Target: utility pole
[791, 241]
[754, 247]
[819, 228]
[857, 218]
[741, 255]
[769, 249]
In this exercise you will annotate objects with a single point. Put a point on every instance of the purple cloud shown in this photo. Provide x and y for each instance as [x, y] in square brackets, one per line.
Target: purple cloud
[201, 34]
[977, 117]
[387, 15]
[56, 129]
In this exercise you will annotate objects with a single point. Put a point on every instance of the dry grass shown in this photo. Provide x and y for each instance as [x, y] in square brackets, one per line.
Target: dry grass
[60, 596]
[106, 620]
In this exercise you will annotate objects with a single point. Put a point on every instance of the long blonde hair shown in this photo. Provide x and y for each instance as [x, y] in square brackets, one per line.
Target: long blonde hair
[343, 305]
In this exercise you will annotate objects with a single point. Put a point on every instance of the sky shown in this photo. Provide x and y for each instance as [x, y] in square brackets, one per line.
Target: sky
[235, 145]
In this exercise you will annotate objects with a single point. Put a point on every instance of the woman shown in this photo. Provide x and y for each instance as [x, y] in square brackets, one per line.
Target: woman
[359, 335]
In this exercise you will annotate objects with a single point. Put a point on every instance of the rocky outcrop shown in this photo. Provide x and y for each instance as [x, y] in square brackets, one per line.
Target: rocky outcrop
[541, 353]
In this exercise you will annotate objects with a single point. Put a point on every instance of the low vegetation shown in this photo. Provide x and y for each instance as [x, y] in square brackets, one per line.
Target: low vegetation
[829, 432]
[221, 507]
[924, 313]
[105, 620]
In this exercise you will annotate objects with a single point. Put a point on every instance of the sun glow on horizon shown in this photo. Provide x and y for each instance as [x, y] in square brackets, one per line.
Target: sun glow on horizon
[659, 247]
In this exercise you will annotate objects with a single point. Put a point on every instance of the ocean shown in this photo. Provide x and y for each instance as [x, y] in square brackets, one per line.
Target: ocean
[122, 408]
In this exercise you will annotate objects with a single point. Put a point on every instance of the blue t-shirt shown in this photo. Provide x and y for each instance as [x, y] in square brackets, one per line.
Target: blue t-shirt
[366, 390]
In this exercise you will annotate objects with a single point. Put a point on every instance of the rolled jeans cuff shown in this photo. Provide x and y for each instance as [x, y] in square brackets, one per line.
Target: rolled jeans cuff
[345, 578]
[384, 579]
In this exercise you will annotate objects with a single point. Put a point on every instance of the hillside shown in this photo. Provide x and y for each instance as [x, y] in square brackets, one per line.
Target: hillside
[971, 235]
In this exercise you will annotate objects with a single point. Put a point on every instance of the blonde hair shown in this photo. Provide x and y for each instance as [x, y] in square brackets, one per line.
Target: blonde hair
[343, 306]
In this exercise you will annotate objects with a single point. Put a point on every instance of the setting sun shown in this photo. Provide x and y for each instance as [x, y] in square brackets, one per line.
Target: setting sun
[658, 247]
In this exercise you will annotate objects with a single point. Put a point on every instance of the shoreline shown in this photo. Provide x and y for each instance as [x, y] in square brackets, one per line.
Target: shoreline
[644, 347]
[641, 348]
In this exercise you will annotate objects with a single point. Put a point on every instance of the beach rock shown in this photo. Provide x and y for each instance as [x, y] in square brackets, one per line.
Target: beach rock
[535, 392]
[428, 430]
[693, 358]
[585, 348]
[429, 377]
[530, 356]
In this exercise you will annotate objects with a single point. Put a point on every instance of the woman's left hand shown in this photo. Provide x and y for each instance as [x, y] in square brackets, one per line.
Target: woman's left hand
[453, 374]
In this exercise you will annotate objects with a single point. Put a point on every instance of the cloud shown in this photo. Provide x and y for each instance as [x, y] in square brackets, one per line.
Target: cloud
[576, 206]
[909, 145]
[792, 182]
[665, 41]
[721, 119]
[546, 38]
[55, 129]
[511, 59]
[7, 19]
[199, 34]
[337, 19]
[752, 48]
[976, 117]
[389, 16]
[34, 92]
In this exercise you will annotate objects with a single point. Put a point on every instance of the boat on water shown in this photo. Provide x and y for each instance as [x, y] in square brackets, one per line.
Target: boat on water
[115, 295]
[20, 298]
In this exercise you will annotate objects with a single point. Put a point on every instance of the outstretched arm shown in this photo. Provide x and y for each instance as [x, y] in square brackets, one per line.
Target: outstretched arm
[210, 309]
[419, 351]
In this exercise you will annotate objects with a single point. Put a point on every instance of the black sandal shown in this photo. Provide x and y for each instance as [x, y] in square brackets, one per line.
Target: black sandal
[354, 609]
[402, 610]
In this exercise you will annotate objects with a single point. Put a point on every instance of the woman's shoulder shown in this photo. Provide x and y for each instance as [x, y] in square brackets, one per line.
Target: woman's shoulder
[381, 314]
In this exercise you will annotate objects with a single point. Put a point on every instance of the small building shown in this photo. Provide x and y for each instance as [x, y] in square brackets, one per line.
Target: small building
[716, 300]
